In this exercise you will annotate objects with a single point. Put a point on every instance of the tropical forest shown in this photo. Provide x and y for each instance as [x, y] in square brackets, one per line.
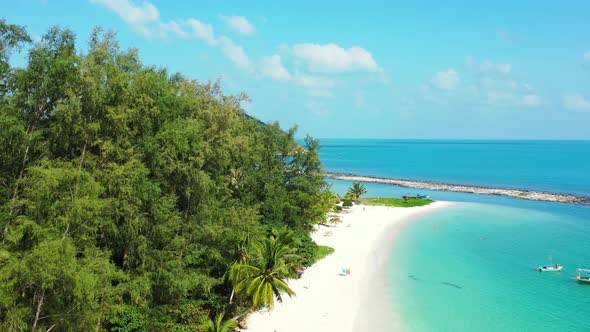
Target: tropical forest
[137, 199]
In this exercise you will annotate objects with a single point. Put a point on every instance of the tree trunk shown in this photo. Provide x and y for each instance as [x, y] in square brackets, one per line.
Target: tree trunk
[99, 322]
[241, 315]
[38, 312]
[231, 296]
[22, 171]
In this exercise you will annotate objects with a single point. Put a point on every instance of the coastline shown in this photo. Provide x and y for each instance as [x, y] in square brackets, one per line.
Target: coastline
[327, 301]
[515, 193]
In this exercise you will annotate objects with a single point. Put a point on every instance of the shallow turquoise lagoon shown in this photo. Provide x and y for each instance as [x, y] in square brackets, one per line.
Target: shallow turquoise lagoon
[470, 268]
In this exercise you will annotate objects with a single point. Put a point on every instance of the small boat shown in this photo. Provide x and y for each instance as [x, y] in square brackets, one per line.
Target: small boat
[554, 268]
[583, 278]
[551, 267]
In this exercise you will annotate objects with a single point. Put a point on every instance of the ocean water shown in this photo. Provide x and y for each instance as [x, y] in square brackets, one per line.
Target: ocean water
[557, 166]
[471, 267]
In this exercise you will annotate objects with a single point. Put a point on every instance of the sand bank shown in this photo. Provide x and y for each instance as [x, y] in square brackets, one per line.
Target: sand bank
[328, 301]
[516, 193]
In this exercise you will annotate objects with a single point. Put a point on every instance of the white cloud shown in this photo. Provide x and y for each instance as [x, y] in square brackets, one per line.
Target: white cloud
[331, 58]
[202, 31]
[576, 102]
[144, 18]
[271, 66]
[240, 24]
[587, 56]
[174, 27]
[313, 81]
[320, 93]
[131, 13]
[235, 53]
[446, 80]
[531, 100]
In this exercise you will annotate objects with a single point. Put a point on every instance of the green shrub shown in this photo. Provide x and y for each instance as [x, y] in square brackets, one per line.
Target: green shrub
[306, 250]
[127, 320]
[347, 203]
[337, 208]
[322, 252]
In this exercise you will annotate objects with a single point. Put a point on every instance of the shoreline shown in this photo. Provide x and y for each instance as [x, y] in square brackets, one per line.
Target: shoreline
[361, 301]
[429, 185]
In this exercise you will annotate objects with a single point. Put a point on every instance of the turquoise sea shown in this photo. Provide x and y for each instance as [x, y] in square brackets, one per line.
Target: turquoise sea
[470, 267]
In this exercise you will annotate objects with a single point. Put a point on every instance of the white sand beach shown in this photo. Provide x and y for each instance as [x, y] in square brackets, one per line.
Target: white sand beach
[360, 301]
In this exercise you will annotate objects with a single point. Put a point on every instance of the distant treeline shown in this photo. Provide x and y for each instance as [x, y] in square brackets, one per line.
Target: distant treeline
[127, 192]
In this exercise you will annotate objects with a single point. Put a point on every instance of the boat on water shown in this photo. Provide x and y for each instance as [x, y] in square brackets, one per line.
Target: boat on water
[583, 276]
[550, 267]
[553, 268]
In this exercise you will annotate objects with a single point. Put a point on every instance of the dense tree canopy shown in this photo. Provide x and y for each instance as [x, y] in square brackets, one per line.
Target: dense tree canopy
[127, 192]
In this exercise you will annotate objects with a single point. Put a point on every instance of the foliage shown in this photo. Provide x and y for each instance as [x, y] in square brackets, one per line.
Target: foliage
[306, 252]
[356, 191]
[396, 202]
[263, 279]
[128, 320]
[220, 325]
[127, 192]
[347, 203]
[337, 208]
[322, 252]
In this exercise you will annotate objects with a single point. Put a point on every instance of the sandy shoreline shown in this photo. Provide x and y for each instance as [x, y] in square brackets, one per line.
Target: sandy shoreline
[515, 193]
[325, 300]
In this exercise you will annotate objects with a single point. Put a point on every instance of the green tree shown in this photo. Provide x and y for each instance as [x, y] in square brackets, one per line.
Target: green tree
[356, 191]
[126, 193]
[220, 325]
[263, 279]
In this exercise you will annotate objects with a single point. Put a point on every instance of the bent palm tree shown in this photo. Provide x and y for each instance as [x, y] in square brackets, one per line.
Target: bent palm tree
[219, 325]
[357, 190]
[264, 278]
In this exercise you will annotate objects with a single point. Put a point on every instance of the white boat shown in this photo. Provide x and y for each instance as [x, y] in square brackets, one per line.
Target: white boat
[551, 267]
[583, 278]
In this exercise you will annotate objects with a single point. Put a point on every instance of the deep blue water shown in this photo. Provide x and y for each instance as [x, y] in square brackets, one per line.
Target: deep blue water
[470, 267]
[556, 166]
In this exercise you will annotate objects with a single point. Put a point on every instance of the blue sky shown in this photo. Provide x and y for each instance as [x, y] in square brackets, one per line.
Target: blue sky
[364, 69]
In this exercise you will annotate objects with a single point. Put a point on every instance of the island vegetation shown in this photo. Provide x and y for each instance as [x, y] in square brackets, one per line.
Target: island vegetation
[395, 202]
[135, 199]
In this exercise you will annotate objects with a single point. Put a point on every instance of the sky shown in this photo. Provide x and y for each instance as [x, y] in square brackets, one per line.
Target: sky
[363, 69]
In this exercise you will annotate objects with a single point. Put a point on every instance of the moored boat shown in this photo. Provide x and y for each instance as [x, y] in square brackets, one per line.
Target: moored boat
[583, 278]
[554, 268]
[550, 267]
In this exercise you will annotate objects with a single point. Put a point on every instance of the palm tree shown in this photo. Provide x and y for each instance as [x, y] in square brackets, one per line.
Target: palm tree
[263, 279]
[219, 325]
[243, 251]
[356, 191]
